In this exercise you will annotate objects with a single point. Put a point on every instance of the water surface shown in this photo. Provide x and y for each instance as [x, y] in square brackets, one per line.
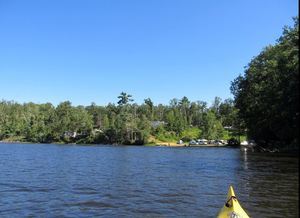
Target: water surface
[43, 180]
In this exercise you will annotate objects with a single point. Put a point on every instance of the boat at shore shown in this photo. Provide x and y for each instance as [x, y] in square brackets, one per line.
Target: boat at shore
[207, 145]
[248, 146]
[232, 207]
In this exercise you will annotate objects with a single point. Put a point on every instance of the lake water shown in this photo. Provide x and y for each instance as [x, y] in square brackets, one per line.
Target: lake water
[128, 181]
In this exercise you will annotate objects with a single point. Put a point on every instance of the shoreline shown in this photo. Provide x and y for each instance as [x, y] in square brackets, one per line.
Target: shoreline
[162, 144]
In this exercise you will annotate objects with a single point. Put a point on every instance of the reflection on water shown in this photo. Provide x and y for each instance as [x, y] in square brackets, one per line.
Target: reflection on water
[272, 183]
[72, 181]
[245, 159]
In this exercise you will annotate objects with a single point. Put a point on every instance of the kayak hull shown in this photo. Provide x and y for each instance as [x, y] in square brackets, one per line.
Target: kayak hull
[232, 207]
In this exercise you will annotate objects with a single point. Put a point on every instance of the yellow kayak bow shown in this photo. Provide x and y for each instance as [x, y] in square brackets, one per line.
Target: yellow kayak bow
[232, 208]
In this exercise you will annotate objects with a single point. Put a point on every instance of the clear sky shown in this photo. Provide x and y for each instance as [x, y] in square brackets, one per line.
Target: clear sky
[91, 50]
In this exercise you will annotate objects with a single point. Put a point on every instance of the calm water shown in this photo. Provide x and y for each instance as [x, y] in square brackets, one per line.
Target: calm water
[89, 181]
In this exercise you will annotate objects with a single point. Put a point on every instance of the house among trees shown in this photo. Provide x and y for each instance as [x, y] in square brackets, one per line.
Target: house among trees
[155, 124]
[70, 134]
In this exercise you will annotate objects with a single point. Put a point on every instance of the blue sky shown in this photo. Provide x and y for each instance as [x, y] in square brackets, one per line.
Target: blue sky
[90, 51]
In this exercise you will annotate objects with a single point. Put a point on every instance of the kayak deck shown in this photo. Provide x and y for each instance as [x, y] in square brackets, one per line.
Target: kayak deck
[232, 208]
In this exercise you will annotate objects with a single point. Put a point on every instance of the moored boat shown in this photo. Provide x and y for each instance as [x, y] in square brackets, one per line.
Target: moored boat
[232, 208]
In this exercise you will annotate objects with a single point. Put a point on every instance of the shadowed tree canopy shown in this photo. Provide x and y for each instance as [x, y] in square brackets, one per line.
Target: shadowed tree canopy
[267, 95]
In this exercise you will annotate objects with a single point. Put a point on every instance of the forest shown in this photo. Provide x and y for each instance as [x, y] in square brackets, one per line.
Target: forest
[123, 123]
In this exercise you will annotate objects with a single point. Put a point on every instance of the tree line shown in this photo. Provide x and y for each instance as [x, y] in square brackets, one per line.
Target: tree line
[124, 123]
[267, 95]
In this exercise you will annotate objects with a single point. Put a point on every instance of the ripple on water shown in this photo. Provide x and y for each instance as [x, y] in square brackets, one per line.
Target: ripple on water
[80, 181]
[90, 203]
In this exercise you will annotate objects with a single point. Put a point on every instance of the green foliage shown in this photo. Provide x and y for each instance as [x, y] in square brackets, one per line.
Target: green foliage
[125, 123]
[190, 134]
[212, 128]
[167, 136]
[267, 95]
[228, 113]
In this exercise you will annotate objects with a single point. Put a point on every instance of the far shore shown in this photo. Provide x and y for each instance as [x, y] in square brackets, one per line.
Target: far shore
[291, 151]
[164, 144]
